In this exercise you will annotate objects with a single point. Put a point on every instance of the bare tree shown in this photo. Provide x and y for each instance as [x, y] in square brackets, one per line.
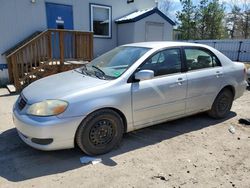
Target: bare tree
[233, 22]
[165, 6]
[238, 20]
[246, 18]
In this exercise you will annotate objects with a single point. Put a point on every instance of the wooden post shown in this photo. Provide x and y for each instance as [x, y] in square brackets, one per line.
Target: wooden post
[10, 70]
[91, 46]
[75, 46]
[61, 46]
[15, 73]
[49, 45]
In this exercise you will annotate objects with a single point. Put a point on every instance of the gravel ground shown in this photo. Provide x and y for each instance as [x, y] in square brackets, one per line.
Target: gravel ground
[191, 152]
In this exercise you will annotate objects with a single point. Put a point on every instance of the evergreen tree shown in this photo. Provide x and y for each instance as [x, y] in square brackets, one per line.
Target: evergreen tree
[187, 20]
[216, 30]
[202, 22]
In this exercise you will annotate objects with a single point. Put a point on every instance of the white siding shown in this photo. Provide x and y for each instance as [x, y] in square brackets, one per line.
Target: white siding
[140, 28]
[126, 33]
[136, 31]
[154, 31]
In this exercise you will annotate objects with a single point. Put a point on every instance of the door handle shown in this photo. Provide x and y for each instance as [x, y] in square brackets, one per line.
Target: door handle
[180, 81]
[219, 74]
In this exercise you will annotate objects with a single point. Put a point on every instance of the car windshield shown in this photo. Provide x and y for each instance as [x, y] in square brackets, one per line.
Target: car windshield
[114, 63]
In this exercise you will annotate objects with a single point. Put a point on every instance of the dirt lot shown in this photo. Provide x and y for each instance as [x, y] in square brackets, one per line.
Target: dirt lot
[192, 152]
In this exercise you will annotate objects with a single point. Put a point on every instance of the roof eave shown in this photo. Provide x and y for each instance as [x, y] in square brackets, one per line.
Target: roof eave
[155, 10]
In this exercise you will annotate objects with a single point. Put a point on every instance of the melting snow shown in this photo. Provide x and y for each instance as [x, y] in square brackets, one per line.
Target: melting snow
[134, 15]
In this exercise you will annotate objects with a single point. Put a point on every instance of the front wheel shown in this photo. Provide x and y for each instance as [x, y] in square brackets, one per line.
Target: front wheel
[222, 104]
[100, 132]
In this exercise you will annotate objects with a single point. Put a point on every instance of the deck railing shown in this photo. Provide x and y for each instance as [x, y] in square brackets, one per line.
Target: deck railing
[47, 53]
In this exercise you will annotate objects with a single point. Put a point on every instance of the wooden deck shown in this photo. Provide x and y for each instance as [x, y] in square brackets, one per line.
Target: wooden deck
[47, 53]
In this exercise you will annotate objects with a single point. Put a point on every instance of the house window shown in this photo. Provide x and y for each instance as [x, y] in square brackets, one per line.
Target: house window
[100, 20]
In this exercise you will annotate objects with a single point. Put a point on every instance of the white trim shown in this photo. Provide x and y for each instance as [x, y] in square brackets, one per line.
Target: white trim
[91, 20]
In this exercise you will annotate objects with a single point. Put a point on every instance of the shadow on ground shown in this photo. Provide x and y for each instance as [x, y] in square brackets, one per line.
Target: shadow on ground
[19, 162]
[8, 94]
[4, 92]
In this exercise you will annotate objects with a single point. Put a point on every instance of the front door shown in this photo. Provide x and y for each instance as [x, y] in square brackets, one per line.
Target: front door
[60, 16]
[163, 96]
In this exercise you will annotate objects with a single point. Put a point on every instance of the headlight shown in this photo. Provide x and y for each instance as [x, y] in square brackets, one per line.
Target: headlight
[47, 108]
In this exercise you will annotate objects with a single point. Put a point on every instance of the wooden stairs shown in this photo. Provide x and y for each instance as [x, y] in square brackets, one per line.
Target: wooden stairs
[47, 53]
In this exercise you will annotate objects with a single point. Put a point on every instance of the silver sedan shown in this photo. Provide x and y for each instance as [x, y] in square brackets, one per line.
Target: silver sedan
[128, 88]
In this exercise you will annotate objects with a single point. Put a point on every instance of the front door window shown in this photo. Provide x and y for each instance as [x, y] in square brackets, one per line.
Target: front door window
[165, 62]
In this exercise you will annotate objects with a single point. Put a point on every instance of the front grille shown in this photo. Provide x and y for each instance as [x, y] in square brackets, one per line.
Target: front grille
[21, 103]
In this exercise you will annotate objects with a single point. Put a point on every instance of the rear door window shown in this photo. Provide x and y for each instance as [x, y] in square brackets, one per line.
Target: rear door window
[200, 59]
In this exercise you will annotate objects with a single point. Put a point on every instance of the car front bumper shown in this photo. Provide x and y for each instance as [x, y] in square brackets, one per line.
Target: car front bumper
[46, 133]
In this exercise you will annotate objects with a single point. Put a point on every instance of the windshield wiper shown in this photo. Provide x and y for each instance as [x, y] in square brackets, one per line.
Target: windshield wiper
[102, 76]
[84, 70]
[100, 70]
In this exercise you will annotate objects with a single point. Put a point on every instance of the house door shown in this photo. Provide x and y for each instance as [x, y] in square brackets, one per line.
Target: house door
[154, 31]
[60, 16]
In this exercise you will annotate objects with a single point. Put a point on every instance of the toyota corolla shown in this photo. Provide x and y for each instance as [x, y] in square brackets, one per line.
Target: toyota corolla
[128, 88]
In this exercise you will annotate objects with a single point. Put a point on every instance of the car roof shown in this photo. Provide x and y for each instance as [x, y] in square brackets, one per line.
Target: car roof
[165, 44]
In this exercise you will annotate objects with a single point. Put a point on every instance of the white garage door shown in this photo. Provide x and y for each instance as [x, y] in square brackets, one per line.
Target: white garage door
[154, 31]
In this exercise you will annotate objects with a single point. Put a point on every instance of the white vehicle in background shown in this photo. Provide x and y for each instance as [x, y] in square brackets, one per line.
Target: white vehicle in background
[131, 87]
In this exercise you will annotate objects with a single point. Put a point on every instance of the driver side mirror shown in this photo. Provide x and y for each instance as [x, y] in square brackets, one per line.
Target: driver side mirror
[144, 75]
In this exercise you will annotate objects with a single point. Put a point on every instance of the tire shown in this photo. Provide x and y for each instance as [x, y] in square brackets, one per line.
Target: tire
[222, 104]
[100, 132]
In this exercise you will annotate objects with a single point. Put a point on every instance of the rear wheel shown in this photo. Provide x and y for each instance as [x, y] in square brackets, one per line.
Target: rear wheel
[100, 132]
[222, 104]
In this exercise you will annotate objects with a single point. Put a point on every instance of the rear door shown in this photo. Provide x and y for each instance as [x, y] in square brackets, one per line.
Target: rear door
[163, 96]
[204, 75]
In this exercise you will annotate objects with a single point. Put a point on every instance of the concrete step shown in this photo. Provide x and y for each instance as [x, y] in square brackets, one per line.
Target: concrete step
[11, 88]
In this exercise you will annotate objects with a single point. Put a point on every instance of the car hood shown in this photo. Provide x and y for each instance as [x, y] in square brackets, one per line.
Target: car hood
[60, 85]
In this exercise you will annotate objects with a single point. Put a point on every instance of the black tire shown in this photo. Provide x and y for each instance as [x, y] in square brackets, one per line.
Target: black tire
[222, 104]
[100, 132]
